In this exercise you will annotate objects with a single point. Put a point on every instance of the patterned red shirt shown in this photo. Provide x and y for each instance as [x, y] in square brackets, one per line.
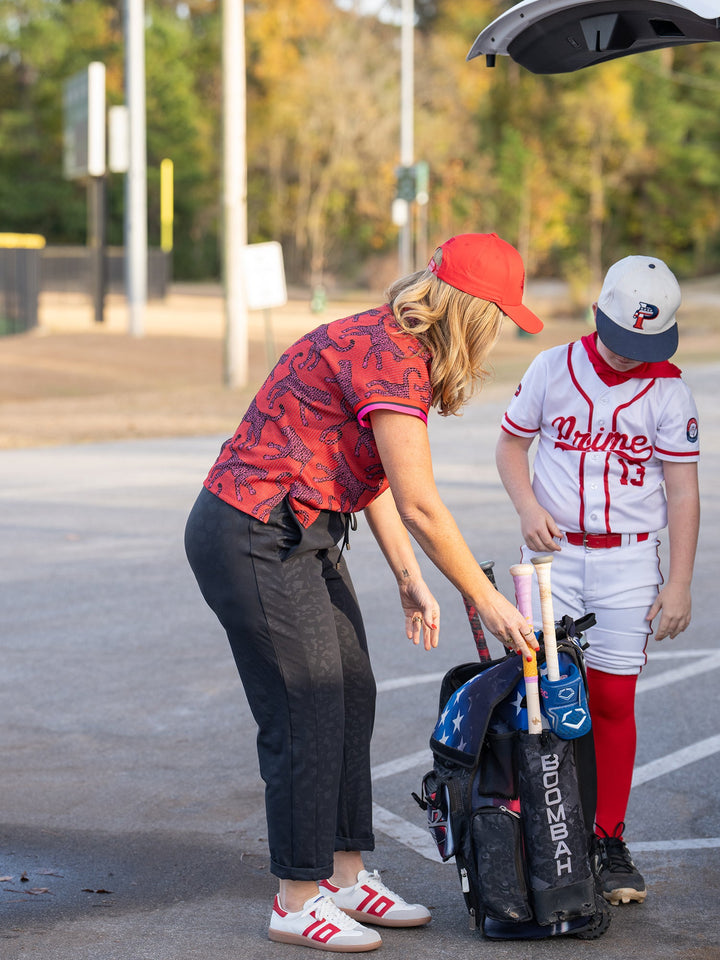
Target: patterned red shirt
[307, 433]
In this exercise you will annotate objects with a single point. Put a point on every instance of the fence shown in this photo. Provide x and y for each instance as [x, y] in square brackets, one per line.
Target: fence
[69, 270]
[20, 256]
[27, 267]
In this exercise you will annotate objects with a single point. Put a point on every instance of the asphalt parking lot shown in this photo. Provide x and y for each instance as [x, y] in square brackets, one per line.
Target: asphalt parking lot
[131, 824]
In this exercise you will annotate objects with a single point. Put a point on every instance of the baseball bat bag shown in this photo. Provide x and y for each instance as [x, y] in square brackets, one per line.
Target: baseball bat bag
[515, 810]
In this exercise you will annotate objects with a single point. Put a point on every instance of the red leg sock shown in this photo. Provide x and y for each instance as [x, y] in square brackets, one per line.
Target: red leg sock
[611, 698]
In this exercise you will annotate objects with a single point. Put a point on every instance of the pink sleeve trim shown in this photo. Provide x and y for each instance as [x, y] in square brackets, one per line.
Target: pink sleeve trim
[366, 409]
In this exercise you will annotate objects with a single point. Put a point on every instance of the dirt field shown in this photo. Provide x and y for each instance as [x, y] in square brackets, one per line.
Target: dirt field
[75, 381]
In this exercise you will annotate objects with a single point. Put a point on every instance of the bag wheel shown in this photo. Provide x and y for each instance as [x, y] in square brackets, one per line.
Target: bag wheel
[598, 923]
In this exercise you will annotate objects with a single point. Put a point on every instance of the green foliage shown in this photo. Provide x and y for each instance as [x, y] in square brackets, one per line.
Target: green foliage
[42, 44]
[187, 132]
[576, 169]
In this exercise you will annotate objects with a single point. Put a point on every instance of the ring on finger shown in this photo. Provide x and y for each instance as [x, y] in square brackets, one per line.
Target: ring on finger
[417, 619]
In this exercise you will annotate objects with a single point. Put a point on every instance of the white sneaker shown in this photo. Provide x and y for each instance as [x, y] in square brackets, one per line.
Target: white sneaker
[370, 901]
[321, 925]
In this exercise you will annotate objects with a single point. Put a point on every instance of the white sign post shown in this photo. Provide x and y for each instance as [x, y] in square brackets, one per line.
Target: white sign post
[264, 280]
[84, 159]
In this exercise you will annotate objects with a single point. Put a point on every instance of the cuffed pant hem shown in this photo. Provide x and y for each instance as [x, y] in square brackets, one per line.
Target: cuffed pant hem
[348, 844]
[283, 872]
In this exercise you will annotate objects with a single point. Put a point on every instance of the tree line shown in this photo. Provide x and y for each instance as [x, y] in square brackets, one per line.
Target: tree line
[575, 169]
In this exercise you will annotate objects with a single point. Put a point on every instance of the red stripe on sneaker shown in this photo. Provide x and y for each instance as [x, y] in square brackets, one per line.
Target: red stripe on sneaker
[277, 908]
[320, 931]
[377, 909]
[325, 933]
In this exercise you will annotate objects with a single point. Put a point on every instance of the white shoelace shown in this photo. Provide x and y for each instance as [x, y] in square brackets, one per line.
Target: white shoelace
[378, 885]
[325, 908]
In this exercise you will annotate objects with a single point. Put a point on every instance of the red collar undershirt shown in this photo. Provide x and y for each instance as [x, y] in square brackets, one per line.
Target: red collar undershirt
[611, 377]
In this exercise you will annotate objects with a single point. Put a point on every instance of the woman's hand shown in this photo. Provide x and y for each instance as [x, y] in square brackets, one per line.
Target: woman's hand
[506, 623]
[421, 609]
[422, 612]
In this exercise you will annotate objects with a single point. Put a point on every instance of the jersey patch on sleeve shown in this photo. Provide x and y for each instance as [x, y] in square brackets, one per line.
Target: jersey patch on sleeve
[692, 430]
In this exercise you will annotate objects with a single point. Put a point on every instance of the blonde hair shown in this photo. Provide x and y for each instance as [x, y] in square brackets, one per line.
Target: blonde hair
[459, 330]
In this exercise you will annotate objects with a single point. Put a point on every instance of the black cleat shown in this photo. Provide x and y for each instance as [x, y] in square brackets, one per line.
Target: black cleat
[620, 880]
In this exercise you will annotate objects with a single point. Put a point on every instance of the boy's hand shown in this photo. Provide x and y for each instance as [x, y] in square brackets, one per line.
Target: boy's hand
[539, 529]
[675, 603]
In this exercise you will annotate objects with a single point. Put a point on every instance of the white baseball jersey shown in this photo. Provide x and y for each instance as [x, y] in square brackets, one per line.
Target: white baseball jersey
[598, 466]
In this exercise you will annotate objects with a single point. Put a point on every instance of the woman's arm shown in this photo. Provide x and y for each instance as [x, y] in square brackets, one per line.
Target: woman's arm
[422, 611]
[404, 449]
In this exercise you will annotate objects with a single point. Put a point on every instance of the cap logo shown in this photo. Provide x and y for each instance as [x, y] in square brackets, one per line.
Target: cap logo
[645, 311]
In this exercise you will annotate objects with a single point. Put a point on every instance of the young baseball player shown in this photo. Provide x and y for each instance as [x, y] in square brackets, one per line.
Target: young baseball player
[616, 462]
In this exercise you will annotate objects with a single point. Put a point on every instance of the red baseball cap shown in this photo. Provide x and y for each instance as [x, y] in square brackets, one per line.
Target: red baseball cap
[485, 266]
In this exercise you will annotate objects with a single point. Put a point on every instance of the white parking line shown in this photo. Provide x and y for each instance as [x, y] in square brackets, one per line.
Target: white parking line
[673, 761]
[419, 840]
[712, 662]
[397, 684]
[713, 659]
[660, 846]
[408, 762]
[410, 835]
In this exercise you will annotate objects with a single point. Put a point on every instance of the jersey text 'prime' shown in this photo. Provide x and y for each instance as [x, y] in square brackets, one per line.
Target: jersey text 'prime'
[598, 466]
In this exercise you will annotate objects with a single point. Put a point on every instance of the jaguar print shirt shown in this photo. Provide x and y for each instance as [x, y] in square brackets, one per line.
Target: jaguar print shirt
[307, 433]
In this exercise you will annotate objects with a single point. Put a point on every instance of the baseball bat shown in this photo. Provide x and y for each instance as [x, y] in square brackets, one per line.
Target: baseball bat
[522, 574]
[487, 568]
[542, 569]
[474, 617]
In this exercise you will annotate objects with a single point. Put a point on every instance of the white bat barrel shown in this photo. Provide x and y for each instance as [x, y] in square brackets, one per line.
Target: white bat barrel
[542, 569]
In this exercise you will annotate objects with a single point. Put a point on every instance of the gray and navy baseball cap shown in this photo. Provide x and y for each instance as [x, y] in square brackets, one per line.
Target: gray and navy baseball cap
[636, 309]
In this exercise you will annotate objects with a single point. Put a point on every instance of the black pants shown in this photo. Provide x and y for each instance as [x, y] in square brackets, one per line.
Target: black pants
[296, 633]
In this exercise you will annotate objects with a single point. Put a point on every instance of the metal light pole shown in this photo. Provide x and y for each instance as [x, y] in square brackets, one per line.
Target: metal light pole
[234, 192]
[407, 141]
[97, 175]
[136, 179]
